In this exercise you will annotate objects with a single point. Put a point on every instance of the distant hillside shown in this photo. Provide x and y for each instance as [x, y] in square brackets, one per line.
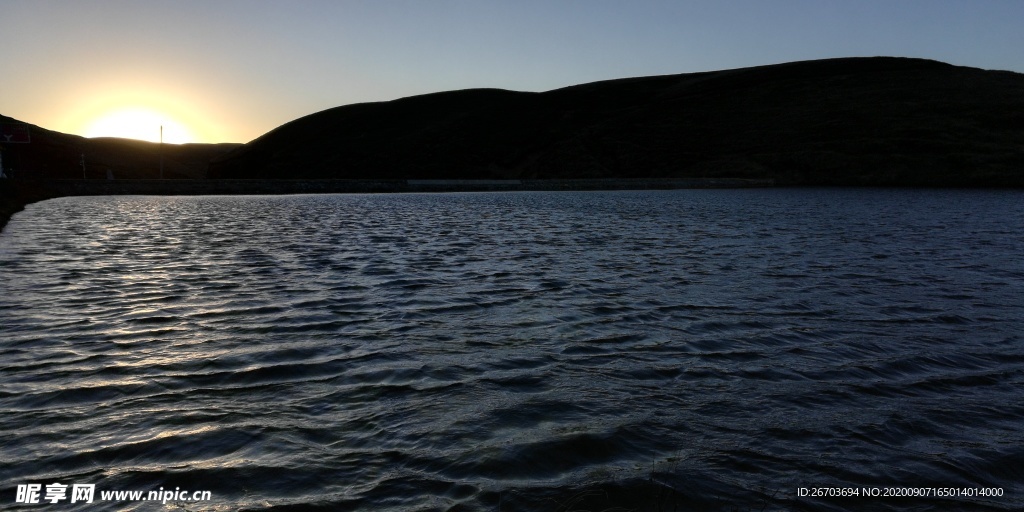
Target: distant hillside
[852, 121]
[55, 155]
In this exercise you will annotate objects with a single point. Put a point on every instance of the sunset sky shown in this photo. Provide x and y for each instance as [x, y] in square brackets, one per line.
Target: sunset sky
[231, 70]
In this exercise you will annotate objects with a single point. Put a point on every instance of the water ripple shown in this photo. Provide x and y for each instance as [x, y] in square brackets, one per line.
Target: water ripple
[691, 350]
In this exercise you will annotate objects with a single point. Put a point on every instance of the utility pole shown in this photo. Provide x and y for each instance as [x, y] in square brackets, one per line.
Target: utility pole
[161, 151]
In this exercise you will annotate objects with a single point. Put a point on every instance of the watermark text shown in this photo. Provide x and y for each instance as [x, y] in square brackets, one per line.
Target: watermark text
[57, 492]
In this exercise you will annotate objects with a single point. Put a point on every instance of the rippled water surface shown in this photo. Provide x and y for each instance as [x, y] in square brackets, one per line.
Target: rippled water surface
[685, 350]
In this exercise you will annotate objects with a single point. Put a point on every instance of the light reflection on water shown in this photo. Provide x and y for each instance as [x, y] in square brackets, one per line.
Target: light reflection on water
[700, 349]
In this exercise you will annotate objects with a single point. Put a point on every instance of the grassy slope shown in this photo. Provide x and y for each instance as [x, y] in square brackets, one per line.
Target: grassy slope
[55, 155]
[862, 121]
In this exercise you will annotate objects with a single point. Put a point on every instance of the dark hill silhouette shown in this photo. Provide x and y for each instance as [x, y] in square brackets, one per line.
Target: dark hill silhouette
[55, 155]
[850, 121]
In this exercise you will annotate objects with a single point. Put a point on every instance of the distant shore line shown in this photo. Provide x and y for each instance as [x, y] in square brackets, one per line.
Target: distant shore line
[333, 186]
[16, 193]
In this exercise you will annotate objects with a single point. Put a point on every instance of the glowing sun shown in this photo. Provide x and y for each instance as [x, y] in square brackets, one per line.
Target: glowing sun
[141, 124]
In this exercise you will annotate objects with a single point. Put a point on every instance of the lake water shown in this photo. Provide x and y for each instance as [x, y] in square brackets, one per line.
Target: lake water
[673, 350]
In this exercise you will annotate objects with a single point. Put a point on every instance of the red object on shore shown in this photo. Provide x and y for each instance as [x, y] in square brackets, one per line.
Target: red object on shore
[14, 133]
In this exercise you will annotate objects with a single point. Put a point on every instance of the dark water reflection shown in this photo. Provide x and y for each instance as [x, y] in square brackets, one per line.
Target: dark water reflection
[690, 350]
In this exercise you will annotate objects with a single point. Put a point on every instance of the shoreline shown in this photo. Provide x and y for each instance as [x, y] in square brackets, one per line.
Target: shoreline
[335, 186]
[16, 193]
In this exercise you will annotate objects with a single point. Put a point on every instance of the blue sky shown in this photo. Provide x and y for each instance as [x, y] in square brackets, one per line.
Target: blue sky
[230, 70]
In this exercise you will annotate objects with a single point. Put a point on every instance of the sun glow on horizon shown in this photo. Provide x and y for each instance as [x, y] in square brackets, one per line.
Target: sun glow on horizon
[139, 123]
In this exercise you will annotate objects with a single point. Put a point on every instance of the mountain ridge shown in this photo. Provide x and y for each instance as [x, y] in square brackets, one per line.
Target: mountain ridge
[55, 155]
[846, 121]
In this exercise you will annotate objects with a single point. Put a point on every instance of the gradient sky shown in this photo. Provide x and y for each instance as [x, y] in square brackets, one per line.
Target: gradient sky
[231, 70]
